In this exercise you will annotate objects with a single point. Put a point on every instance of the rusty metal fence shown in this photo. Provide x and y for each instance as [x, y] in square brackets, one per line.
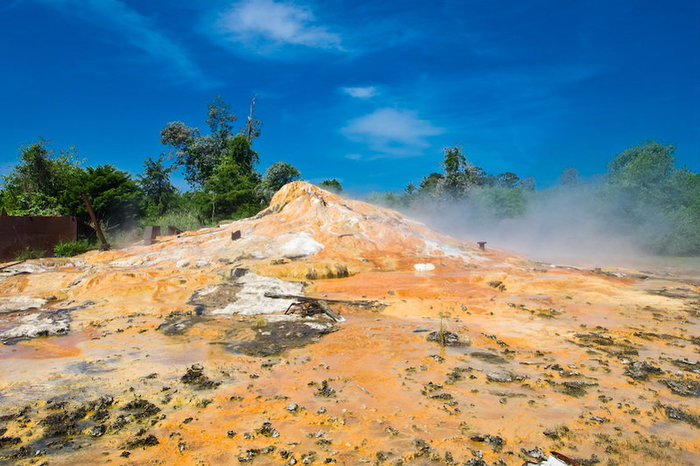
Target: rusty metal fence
[37, 233]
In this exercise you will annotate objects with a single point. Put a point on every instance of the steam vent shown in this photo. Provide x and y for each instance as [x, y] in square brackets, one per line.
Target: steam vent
[400, 346]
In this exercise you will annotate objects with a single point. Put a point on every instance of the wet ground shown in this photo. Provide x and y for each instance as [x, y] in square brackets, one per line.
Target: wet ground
[149, 362]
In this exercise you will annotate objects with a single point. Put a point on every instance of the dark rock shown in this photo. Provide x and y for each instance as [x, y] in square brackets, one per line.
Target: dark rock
[63, 423]
[640, 370]
[475, 462]
[577, 387]
[498, 285]
[683, 387]
[140, 408]
[120, 422]
[273, 338]
[490, 358]
[147, 441]
[267, 430]
[308, 457]
[535, 453]
[422, 447]
[195, 377]
[292, 407]
[677, 414]
[445, 338]
[325, 390]
[494, 441]
[98, 430]
[7, 441]
[502, 376]
[249, 455]
[687, 365]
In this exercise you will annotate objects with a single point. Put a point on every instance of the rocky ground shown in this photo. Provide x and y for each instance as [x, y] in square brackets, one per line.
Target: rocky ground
[173, 354]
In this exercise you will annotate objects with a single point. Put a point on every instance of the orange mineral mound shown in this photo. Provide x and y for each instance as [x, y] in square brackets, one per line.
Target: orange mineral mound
[405, 346]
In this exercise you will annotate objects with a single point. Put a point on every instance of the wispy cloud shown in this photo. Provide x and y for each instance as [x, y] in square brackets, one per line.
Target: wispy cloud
[139, 31]
[264, 26]
[392, 133]
[365, 92]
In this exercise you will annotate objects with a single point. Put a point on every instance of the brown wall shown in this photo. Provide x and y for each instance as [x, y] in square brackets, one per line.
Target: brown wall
[39, 233]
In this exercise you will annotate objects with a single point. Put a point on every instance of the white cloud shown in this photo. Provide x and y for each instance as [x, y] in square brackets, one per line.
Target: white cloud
[266, 24]
[138, 30]
[360, 92]
[392, 132]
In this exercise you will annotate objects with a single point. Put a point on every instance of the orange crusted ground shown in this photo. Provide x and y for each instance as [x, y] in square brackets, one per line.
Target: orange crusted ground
[600, 366]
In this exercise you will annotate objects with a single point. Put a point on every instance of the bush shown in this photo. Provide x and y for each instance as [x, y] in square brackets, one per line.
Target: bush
[185, 220]
[71, 248]
[29, 253]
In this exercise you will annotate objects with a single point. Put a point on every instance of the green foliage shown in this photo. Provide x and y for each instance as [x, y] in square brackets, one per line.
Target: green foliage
[459, 179]
[648, 164]
[185, 220]
[454, 161]
[332, 186]
[429, 185]
[231, 192]
[115, 197]
[508, 180]
[159, 193]
[239, 151]
[569, 177]
[502, 202]
[276, 176]
[38, 180]
[197, 154]
[72, 248]
[29, 253]
[657, 202]
[642, 195]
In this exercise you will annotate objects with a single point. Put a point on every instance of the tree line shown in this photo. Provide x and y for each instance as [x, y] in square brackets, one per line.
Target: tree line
[643, 194]
[219, 165]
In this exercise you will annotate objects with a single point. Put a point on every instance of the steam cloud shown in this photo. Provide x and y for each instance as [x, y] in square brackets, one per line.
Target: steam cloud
[564, 224]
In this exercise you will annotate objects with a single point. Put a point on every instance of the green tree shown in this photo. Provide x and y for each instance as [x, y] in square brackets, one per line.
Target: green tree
[197, 154]
[645, 194]
[37, 181]
[159, 193]
[648, 164]
[455, 182]
[332, 185]
[231, 192]
[239, 150]
[508, 180]
[115, 197]
[568, 177]
[276, 176]
[231, 188]
[454, 161]
[428, 187]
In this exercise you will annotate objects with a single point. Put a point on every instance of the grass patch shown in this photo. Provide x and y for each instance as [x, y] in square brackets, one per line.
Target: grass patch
[28, 253]
[72, 248]
[183, 219]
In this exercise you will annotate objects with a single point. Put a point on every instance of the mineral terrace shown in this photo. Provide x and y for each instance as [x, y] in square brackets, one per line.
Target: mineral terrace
[180, 352]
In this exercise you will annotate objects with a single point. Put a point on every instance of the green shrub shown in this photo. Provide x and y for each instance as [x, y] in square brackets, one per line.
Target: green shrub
[29, 253]
[71, 248]
[185, 220]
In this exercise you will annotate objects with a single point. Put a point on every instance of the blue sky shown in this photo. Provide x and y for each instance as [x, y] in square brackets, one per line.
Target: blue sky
[366, 92]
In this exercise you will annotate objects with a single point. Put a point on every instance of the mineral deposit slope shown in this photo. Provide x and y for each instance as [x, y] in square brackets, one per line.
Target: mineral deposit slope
[180, 352]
